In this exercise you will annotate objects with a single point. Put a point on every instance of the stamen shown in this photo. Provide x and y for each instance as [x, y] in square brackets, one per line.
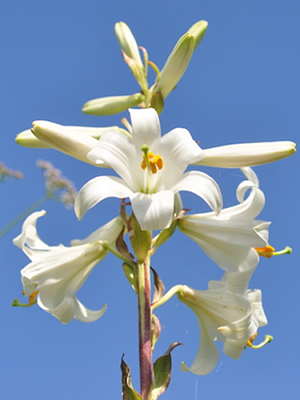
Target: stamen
[269, 251]
[268, 339]
[151, 161]
[31, 299]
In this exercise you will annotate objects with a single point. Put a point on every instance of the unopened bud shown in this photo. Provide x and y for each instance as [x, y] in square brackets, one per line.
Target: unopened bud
[127, 41]
[176, 65]
[64, 139]
[198, 31]
[179, 59]
[112, 105]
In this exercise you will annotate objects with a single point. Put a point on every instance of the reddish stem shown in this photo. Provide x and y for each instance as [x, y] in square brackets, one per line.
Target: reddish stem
[144, 307]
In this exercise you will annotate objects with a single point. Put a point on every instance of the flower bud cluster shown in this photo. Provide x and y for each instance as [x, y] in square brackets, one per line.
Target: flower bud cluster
[166, 79]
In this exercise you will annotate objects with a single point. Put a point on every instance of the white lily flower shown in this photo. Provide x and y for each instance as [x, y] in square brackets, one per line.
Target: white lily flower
[151, 168]
[246, 154]
[230, 237]
[223, 316]
[56, 273]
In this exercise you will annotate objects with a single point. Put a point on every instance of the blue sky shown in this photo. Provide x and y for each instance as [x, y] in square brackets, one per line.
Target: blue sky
[242, 86]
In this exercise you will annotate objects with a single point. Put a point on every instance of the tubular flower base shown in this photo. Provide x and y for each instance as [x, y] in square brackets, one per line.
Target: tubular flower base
[56, 273]
[223, 316]
[228, 238]
[151, 168]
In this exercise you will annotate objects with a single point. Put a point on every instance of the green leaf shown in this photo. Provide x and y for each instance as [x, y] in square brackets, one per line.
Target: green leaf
[159, 286]
[165, 234]
[130, 275]
[155, 330]
[162, 373]
[128, 393]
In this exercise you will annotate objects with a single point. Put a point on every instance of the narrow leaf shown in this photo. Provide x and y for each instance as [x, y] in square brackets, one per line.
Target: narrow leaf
[159, 286]
[155, 330]
[162, 373]
[128, 393]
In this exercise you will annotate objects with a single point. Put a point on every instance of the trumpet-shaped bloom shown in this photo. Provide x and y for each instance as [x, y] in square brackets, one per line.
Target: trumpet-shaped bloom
[56, 273]
[222, 316]
[228, 238]
[151, 170]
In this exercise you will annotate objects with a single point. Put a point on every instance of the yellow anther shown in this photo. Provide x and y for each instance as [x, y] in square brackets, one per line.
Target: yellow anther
[265, 251]
[250, 341]
[32, 297]
[268, 339]
[153, 167]
[154, 163]
[144, 164]
[269, 251]
[158, 161]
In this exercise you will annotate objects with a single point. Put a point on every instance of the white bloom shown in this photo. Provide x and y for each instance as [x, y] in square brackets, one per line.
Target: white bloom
[223, 316]
[56, 273]
[149, 177]
[228, 238]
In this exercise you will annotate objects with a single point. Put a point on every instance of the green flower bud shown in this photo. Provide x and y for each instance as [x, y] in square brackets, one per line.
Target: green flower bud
[112, 105]
[179, 58]
[198, 31]
[176, 65]
[127, 41]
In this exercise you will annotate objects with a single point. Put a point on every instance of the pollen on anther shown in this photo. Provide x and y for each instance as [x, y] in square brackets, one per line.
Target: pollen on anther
[154, 163]
[32, 297]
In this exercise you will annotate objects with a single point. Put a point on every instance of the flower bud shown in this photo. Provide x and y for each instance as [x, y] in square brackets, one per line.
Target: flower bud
[28, 139]
[175, 65]
[198, 31]
[127, 41]
[179, 59]
[64, 139]
[112, 105]
[246, 154]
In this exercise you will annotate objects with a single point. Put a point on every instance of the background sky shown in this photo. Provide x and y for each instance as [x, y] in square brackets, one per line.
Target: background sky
[242, 85]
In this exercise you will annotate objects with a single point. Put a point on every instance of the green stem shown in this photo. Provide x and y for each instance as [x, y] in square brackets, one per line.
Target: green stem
[144, 311]
[174, 290]
[23, 215]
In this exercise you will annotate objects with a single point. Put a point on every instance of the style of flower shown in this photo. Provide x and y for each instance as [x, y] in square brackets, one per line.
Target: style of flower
[223, 316]
[151, 170]
[230, 237]
[56, 273]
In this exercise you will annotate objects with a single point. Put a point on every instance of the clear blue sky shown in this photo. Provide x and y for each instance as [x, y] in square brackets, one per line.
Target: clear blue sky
[241, 86]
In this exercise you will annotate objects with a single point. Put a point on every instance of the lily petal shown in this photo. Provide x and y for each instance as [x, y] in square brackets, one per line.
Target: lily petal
[117, 151]
[153, 211]
[203, 186]
[207, 354]
[98, 189]
[145, 127]
[178, 150]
